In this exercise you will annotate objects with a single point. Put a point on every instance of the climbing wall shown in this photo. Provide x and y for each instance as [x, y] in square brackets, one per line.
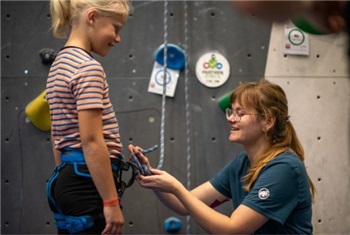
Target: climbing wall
[26, 157]
[318, 90]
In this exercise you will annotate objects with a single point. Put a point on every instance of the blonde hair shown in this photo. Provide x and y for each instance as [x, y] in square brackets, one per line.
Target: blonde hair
[268, 100]
[66, 12]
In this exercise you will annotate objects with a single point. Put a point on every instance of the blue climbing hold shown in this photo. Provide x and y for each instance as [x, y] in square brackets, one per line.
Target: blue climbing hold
[172, 225]
[175, 56]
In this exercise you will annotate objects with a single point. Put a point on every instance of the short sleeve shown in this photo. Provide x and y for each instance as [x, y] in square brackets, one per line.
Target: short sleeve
[221, 181]
[275, 193]
[228, 181]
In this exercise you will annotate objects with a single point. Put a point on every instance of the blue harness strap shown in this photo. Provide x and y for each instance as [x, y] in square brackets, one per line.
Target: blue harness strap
[50, 184]
[74, 157]
[73, 224]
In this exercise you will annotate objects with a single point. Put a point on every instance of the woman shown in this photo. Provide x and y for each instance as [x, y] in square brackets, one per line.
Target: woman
[267, 183]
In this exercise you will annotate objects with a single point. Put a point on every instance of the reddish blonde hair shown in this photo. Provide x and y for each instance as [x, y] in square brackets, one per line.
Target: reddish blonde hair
[268, 99]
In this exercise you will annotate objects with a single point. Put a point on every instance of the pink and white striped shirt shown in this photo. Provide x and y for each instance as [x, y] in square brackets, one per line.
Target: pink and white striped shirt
[77, 82]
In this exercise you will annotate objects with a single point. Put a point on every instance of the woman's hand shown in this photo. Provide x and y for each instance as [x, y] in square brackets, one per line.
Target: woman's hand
[137, 151]
[160, 181]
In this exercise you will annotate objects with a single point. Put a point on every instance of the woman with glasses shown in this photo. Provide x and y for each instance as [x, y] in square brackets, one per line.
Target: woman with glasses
[267, 183]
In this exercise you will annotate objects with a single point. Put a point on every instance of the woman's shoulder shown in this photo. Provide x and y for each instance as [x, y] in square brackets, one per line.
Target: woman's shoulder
[240, 159]
[287, 159]
[290, 157]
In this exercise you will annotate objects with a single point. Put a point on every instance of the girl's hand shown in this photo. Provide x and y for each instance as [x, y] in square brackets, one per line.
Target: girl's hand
[114, 220]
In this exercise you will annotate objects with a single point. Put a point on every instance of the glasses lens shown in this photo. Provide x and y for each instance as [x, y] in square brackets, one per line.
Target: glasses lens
[228, 113]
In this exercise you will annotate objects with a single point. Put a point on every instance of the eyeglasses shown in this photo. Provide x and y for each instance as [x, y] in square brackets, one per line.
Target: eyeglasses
[237, 115]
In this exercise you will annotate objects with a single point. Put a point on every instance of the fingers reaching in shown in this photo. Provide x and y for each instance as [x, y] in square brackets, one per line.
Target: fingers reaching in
[138, 153]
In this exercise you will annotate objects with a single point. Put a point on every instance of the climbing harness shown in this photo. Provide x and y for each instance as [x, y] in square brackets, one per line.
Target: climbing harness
[75, 157]
[72, 224]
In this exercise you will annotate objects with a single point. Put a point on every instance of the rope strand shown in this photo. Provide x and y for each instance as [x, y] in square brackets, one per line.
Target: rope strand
[188, 114]
[162, 125]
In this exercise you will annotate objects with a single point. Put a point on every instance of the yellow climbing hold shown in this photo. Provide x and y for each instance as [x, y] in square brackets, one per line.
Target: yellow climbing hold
[38, 112]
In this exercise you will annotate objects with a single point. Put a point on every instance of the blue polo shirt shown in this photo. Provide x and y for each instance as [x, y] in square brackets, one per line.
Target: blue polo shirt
[281, 193]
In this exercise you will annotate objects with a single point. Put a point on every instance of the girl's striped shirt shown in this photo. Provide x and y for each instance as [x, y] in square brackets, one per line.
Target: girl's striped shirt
[77, 82]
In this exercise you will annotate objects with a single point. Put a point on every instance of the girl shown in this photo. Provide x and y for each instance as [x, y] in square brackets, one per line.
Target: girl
[85, 133]
[267, 183]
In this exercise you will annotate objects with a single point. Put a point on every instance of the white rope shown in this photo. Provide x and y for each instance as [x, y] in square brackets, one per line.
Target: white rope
[162, 125]
[188, 116]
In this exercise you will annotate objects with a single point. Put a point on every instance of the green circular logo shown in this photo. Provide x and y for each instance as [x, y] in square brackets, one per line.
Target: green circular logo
[296, 37]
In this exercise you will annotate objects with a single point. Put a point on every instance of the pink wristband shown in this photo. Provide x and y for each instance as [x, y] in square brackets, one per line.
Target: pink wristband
[112, 202]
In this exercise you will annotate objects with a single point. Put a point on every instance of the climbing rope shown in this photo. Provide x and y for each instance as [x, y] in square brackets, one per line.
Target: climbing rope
[188, 116]
[162, 125]
[137, 167]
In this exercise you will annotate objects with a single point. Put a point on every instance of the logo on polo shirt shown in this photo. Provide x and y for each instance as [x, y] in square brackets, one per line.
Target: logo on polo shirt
[264, 193]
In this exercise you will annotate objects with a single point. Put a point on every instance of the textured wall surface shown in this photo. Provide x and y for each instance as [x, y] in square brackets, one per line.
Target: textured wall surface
[318, 91]
[26, 158]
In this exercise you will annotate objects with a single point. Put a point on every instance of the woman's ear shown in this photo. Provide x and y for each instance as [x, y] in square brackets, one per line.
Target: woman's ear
[269, 122]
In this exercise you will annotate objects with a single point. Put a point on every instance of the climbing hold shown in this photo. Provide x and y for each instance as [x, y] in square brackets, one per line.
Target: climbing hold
[224, 101]
[38, 112]
[172, 225]
[175, 56]
[47, 55]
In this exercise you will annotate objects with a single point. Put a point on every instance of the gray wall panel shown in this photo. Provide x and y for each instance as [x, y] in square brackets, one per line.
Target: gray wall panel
[318, 89]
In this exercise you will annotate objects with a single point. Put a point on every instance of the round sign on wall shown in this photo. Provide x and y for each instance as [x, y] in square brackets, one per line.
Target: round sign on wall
[296, 37]
[212, 69]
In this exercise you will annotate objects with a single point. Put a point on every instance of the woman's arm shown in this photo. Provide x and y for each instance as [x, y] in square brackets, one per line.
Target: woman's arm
[97, 160]
[243, 220]
[205, 192]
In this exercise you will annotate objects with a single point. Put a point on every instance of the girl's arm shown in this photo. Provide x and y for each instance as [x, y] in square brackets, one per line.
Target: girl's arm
[56, 153]
[96, 152]
[97, 159]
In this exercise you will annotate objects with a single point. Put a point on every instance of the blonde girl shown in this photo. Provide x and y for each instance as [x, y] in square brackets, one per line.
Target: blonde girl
[85, 133]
